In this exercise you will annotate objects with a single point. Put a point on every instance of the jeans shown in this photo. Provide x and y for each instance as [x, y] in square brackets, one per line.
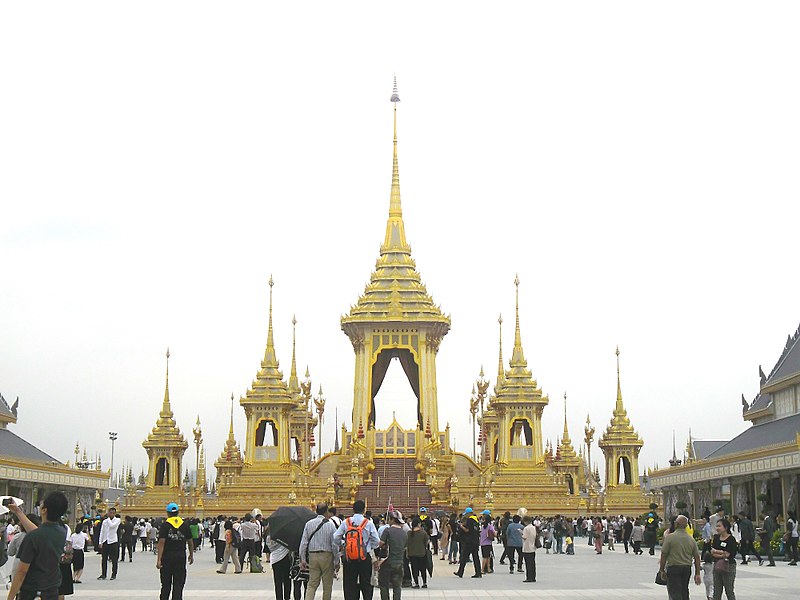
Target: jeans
[678, 582]
[724, 581]
[511, 551]
[791, 549]
[559, 544]
[747, 548]
[391, 576]
[356, 579]
[173, 577]
[453, 554]
[708, 579]
[280, 576]
[320, 568]
[419, 566]
[530, 565]
[637, 547]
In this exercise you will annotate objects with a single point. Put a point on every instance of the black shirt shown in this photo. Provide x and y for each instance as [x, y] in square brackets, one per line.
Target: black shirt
[42, 549]
[472, 536]
[174, 537]
[730, 546]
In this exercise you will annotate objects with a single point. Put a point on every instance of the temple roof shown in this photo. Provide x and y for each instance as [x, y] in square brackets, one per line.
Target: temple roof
[395, 291]
[779, 431]
[620, 432]
[8, 414]
[517, 383]
[787, 366]
[231, 454]
[166, 433]
[13, 446]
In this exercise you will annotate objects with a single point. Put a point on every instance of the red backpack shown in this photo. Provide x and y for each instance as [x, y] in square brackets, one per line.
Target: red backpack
[354, 540]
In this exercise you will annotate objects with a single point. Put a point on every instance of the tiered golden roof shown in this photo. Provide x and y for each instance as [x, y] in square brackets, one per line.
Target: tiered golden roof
[269, 385]
[517, 382]
[231, 455]
[620, 432]
[567, 451]
[166, 433]
[395, 290]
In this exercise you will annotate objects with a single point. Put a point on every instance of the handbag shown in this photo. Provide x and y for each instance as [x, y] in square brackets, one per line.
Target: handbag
[659, 579]
[721, 565]
[296, 573]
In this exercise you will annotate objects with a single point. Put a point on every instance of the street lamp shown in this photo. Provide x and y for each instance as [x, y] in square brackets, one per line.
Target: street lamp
[112, 435]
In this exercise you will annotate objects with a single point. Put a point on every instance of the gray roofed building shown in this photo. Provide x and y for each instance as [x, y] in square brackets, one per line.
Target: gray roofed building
[780, 431]
[703, 448]
[13, 446]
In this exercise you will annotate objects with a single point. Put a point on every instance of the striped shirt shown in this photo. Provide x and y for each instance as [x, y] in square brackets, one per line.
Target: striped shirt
[321, 541]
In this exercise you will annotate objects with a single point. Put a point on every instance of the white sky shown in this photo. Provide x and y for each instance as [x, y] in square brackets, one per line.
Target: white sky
[635, 162]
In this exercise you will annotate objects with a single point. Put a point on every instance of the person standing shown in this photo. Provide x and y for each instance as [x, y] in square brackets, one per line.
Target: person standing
[127, 541]
[598, 535]
[514, 543]
[627, 529]
[360, 539]
[792, 536]
[174, 538]
[767, 532]
[144, 528]
[248, 533]
[319, 553]
[109, 543]
[39, 571]
[455, 527]
[469, 539]
[230, 550]
[78, 540]
[723, 550]
[218, 534]
[706, 557]
[394, 540]
[637, 537]
[678, 553]
[529, 549]
[416, 548]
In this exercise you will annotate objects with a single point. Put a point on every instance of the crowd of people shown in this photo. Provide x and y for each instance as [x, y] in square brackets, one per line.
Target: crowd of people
[389, 551]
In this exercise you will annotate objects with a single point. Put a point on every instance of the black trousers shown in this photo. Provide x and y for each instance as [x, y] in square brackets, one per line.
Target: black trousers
[678, 577]
[127, 544]
[110, 552]
[143, 541]
[419, 566]
[219, 547]
[747, 548]
[245, 549]
[468, 552]
[530, 565]
[625, 543]
[280, 574]
[173, 577]
[356, 579]
[510, 551]
[765, 543]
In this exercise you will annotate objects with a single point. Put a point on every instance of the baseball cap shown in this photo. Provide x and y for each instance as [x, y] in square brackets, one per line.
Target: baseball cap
[468, 510]
[486, 512]
[172, 508]
[423, 509]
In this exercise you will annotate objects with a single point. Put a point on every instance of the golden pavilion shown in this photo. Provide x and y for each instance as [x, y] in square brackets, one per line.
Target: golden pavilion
[411, 464]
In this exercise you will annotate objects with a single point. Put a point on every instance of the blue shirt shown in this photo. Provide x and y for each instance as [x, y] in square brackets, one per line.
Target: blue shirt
[369, 534]
[514, 535]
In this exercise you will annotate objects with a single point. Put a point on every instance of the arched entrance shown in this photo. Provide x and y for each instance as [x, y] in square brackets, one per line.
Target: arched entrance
[162, 471]
[624, 471]
[379, 370]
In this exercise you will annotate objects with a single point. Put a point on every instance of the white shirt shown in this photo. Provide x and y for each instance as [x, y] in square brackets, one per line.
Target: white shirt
[108, 531]
[221, 536]
[78, 540]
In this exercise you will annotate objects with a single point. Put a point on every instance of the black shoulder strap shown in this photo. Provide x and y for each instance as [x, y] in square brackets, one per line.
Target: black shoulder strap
[312, 537]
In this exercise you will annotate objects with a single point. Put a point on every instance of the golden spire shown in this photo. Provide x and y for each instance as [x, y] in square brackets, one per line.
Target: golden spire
[567, 450]
[500, 368]
[619, 409]
[565, 437]
[166, 409]
[270, 358]
[231, 438]
[395, 240]
[294, 384]
[518, 358]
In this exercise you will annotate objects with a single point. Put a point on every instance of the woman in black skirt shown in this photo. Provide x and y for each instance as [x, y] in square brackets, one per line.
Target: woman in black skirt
[78, 539]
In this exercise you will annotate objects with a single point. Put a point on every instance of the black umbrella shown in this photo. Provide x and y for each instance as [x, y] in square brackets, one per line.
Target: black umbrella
[286, 525]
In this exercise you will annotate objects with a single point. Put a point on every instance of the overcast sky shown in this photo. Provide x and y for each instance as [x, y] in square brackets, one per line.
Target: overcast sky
[634, 162]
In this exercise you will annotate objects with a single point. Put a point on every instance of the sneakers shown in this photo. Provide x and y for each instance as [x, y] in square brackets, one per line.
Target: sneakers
[457, 574]
[424, 585]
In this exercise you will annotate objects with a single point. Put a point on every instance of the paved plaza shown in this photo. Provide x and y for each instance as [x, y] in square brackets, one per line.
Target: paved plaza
[614, 575]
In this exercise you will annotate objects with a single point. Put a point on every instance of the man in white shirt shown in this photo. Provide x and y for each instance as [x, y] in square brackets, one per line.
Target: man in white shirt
[109, 543]
[357, 570]
[529, 549]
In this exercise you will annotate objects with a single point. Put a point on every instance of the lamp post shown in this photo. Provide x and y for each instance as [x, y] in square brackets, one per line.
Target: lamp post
[473, 410]
[112, 435]
[198, 440]
[588, 433]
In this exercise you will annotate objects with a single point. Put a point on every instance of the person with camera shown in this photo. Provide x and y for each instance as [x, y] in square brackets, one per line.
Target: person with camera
[39, 571]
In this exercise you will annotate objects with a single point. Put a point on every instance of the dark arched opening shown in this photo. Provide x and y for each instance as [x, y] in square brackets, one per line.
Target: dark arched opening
[624, 471]
[261, 433]
[162, 471]
[410, 368]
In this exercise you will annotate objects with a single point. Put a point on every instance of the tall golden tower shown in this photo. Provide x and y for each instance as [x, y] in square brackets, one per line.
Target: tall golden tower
[165, 447]
[395, 317]
[230, 462]
[621, 445]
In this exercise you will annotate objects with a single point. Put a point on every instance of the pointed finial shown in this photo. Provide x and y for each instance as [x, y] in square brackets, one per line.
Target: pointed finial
[166, 409]
[481, 373]
[395, 240]
[395, 97]
[270, 359]
[230, 431]
[518, 358]
[619, 407]
[500, 367]
[294, 385]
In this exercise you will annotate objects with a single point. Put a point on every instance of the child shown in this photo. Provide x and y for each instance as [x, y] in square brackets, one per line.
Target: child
[570, 545]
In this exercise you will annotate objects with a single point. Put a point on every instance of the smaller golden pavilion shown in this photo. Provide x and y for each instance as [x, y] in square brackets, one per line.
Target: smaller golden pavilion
[412, 464]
